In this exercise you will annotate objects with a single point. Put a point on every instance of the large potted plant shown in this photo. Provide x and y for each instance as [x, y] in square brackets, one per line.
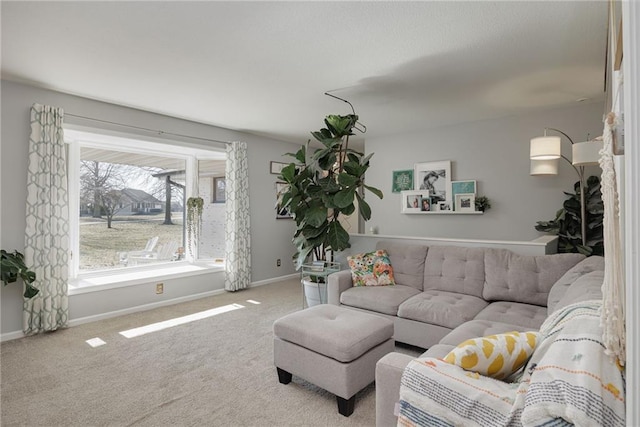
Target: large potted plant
[323, 184]
[12, 267]
[567, 224]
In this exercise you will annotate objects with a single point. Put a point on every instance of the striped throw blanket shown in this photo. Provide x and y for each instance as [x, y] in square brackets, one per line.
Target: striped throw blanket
[568, 380]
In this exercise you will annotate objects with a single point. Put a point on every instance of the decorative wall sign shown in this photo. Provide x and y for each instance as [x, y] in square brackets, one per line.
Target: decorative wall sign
[402, 181]
[434, 177]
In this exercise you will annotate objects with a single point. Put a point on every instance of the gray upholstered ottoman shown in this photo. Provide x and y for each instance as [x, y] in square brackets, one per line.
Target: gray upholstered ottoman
[332, 347]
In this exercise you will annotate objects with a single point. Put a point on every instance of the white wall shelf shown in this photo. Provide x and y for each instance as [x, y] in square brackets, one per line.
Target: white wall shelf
[444, 213]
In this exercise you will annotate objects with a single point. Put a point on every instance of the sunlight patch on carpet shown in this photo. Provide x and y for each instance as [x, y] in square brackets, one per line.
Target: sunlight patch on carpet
[95, 342]
[155, 327]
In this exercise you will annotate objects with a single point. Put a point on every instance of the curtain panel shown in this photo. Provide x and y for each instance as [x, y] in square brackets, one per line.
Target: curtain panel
[237, 221]
[47, 214]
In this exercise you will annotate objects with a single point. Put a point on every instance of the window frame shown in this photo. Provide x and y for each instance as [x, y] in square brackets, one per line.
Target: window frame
[79, 136]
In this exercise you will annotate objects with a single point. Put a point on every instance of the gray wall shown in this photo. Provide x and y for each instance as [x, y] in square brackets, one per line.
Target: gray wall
[271, 238]
[496, 154]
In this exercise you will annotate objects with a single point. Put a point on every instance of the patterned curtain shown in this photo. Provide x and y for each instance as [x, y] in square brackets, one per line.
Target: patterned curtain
[46, 238]
[237, 224]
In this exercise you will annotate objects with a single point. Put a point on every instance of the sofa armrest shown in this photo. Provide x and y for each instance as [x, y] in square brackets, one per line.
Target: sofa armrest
[389, 371]
[337, 283]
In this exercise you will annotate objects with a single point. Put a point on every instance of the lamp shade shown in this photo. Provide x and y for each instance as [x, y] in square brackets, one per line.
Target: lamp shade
[544, 167]
[545, 148]
[586, 153]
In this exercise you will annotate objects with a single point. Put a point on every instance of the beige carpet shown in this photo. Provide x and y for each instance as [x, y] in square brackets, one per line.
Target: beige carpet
[217, 371]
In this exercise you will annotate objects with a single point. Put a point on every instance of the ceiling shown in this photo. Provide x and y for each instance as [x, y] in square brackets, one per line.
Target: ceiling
[262, 67]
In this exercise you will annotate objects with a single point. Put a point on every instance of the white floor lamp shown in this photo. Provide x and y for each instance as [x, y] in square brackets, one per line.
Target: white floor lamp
[545, 151]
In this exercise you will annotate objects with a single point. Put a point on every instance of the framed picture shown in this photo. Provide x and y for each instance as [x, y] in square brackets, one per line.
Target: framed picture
[415, 201]
[402, 181]
[463, 187]
[434, 177]
[219, 185]
[444, 206]
[281, 213]
[276, 167]
[465, 202]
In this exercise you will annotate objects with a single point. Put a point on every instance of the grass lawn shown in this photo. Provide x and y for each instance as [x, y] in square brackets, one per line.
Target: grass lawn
[100, 246]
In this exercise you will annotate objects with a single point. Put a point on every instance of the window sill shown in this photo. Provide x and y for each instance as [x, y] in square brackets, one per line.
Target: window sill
[100, 281]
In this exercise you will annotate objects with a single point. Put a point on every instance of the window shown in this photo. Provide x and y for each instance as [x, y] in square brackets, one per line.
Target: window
[219, 187]
[129, 196]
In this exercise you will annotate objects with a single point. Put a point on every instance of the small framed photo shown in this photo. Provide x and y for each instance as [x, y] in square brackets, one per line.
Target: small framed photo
[465, 202]
[281, 213]
[434, 177]
[276, 167]
[219, 188]
[415, 202]
[444, 206]
[463, 187]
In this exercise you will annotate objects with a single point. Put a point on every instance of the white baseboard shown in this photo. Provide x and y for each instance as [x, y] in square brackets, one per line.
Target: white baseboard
[274, 280]
[12, 336]
[144, 307]
[94, 318]
[75, 322]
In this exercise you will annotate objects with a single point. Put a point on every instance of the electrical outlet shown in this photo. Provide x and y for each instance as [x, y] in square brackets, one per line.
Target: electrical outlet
[159, 288]
[278, 262]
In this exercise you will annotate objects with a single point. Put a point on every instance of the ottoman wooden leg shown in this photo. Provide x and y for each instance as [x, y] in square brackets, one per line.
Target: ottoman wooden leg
[346, 406]
[285, 377]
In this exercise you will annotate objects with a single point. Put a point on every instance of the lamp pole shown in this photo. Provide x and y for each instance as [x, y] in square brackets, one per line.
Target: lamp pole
[580, 171]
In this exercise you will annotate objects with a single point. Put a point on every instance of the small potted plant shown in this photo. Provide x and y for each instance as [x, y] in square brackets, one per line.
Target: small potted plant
[12, 267]
[483, 203]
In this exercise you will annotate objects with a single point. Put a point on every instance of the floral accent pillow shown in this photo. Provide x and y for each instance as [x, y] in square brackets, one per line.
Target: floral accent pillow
[496, 356]
[371, 269]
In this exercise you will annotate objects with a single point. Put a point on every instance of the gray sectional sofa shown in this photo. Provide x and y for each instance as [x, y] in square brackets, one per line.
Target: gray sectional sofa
[446, 295]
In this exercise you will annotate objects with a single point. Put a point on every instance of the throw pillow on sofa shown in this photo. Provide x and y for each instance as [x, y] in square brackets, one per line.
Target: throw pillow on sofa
[371, 269]
[496, 356]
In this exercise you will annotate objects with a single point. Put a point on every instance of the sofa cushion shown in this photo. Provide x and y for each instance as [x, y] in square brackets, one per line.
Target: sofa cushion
[438, 351]
[496, 356]
[407, 261]
[381, 299]
[478, 328]
[441, 308]
[521, 278]
[339, 333]
[593, 263]
[526, 316]
[585, 288]
[455, 269]
[371, 269]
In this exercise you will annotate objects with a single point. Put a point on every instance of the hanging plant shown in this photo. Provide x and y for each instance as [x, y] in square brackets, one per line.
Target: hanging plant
[194, 220]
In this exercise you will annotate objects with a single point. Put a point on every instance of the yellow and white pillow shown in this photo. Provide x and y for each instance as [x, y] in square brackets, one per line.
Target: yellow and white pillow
[496, 356]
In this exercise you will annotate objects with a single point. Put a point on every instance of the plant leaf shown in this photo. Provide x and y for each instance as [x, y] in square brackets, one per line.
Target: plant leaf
[364, 208]
[344, 198]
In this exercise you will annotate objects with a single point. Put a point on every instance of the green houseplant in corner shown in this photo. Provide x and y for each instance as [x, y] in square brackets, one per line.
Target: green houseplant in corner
[12, 267]
[567, 224]
[322, 186]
